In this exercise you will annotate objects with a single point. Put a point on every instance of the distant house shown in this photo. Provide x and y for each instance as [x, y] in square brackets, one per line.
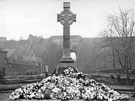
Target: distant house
[20, 65]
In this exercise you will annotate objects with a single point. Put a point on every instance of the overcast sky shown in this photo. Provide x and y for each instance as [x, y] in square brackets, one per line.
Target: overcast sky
[19, 18]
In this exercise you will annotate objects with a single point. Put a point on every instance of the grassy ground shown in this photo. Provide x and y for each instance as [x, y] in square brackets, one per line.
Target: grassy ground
[10, 87]
[112, 78]
[123, 76]
[23, 79]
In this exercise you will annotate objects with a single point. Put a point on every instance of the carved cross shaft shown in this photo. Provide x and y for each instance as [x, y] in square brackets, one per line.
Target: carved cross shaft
[66, 18]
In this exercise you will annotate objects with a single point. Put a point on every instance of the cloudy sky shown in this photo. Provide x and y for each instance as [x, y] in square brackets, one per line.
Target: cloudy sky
[19, 18]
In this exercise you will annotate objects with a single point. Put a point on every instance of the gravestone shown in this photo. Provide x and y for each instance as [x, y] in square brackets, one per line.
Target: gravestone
[66, 18]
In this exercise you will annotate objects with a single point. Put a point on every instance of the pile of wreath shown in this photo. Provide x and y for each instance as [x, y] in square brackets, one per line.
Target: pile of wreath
[67, 86]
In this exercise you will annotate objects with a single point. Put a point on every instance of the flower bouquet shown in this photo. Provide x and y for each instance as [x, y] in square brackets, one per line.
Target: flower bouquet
[68, 86]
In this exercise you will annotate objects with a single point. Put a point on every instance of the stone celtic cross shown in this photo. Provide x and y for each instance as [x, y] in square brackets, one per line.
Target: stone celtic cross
[66, 18]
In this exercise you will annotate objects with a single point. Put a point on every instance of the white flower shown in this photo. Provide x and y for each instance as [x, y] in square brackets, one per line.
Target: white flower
[55, 89]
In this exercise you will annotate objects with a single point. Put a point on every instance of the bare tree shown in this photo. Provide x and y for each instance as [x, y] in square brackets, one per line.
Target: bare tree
[119, 36]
